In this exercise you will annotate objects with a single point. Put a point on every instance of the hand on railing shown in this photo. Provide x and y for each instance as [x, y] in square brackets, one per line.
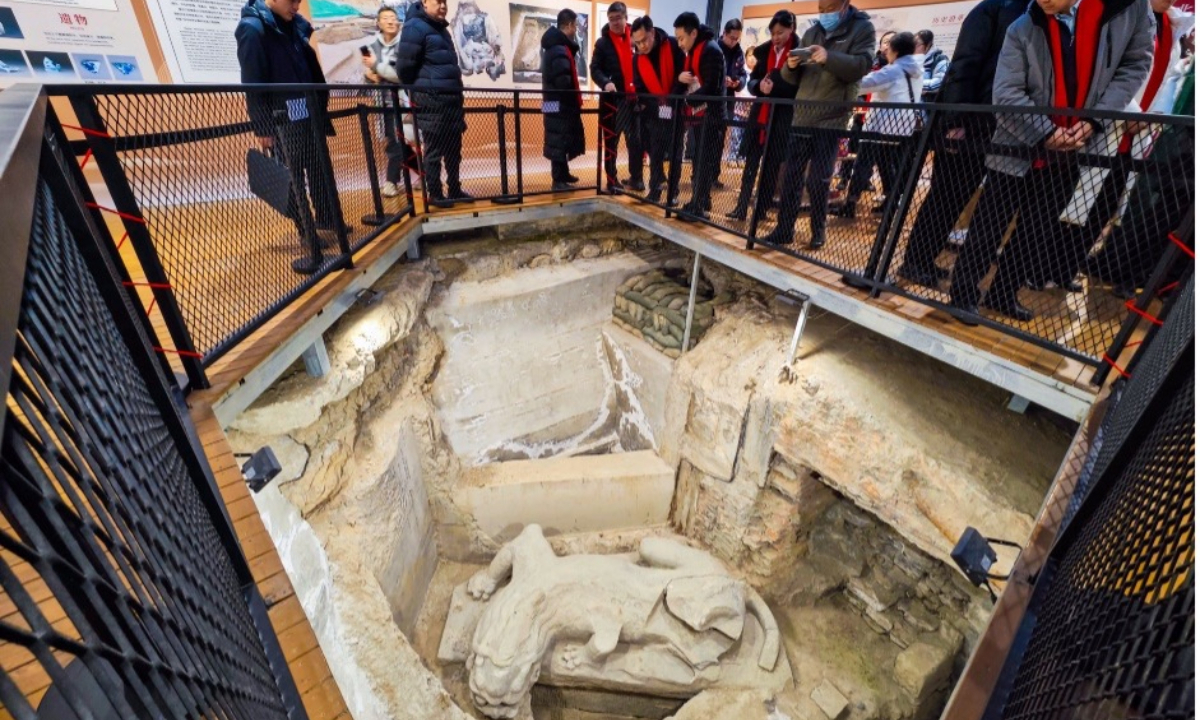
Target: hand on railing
[266, 143]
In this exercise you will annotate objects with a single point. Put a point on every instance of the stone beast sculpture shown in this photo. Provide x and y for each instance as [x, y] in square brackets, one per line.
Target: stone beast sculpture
[661, 621]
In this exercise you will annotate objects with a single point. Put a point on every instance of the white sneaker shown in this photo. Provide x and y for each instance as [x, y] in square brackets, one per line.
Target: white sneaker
[390, 189]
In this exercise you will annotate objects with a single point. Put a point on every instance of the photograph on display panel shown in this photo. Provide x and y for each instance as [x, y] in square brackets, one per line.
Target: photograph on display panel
[944, 19]
[477, 38]
[529, 23]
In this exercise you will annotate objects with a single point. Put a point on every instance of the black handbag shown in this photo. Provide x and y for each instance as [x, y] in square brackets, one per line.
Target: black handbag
[269, 179]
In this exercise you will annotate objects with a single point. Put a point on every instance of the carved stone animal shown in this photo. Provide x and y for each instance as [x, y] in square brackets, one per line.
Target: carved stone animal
[673, 608]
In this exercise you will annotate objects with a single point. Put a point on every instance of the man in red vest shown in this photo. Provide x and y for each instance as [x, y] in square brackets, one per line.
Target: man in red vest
[703, 76]
[612, 71]
[1079, 54]
[656, 72]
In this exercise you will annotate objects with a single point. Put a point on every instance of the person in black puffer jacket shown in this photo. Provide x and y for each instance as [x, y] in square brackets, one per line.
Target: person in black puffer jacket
[428, 63]
[562, 101]
[272, 47]
[704, 76]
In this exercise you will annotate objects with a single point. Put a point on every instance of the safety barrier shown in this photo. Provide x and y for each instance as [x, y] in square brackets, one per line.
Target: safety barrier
[1083, 226]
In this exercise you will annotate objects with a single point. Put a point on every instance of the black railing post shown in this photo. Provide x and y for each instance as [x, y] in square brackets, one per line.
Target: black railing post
[364, 123]
[675, 161]
[762, 169]
[896, 209]
[1168, 260]
[125, 202]
[506, 198]
[520, 148]
[601, 157]
[317, 119]
[400, 113]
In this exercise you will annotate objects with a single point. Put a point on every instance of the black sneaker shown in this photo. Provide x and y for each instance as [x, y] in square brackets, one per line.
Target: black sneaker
[615, 186]
[737, 214]
[692, 212]
[1009, 307]
[571, 178]
[818, 240]
[440, 201]
[635, 185]
[920, 277]
[779, 236]
[559, 186]
[460, 196]
[307, 266]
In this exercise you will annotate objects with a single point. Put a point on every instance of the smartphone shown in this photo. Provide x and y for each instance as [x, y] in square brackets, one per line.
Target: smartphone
[802, 53]
[366, 51]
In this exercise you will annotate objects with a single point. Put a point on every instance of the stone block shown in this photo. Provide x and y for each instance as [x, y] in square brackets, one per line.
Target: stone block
[574, 494]
[923, 668]
[830, 700]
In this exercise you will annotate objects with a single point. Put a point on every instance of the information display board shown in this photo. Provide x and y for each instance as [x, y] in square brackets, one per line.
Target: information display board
[197, 38]
[71, 41]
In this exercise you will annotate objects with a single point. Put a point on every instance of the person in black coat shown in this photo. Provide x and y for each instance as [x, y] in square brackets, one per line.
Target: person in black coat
[767, 82]
[273, 48]
[612, 71]
[427, 61]
[656, 76]
[562, 100]
[703, 76]
[958, 161]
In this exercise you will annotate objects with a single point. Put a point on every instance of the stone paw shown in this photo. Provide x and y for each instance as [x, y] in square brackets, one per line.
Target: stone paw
[573, 656]
[481, 586]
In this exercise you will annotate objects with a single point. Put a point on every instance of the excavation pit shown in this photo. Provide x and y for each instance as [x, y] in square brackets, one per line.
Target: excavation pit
[501, 383]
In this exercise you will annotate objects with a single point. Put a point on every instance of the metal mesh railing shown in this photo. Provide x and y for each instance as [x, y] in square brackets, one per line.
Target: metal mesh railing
[123, 592]
[236, 217]
[959, 208]
[1111, 625]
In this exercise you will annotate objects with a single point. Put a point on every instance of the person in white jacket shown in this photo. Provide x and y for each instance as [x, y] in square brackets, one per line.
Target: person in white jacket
[897, 82]
[379, 65]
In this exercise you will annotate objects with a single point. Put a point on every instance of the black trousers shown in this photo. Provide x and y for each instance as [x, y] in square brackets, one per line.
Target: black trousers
[770, 156]
[710, 140]
[619, 117]
[300, 150]
[810, 158]
[957, 173]
[882, 154]
[663, 136]
[1040, 238]
[443, 145]
[560, 171]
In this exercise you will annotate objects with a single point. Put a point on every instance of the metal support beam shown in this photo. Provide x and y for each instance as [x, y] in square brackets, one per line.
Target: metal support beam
[786, 373]
[1019, 404]
[691, 313]
[316, 359]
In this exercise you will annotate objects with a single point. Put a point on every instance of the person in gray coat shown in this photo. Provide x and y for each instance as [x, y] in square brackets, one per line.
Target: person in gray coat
[1045, 181]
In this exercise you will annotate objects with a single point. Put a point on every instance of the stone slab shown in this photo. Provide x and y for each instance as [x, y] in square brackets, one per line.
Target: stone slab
[574, 494]
[524, 367]
[831, 701]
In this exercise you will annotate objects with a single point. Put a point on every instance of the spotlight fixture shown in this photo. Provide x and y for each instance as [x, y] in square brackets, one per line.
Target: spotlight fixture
[367, 297]
[261, 468]
[975, 556]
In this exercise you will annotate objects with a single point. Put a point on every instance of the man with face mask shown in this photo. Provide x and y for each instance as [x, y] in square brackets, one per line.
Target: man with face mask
[837, 54]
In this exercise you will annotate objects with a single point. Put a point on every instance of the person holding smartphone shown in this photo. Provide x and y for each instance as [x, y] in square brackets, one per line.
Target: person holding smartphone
[379, 67]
